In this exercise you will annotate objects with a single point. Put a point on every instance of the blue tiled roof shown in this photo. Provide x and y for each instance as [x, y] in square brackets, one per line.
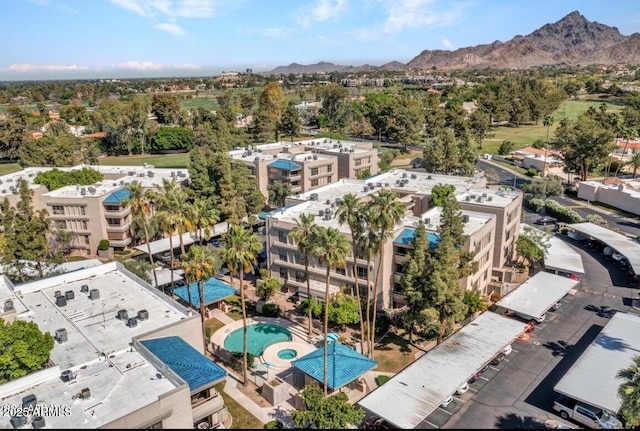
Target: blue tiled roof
[285, 165]
[406, 236]
[192, 366]
[214, 290]
[117, 197]
[344, 365]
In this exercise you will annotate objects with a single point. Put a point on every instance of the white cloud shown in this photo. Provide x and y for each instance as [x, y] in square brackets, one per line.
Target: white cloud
[322, 10]
[148, 65]
[169, 8]
[269, 32]
[174, 29]
[447, 43]
[45, 67]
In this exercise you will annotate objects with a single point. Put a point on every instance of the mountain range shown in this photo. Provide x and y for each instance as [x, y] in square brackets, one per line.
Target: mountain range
[571, 41]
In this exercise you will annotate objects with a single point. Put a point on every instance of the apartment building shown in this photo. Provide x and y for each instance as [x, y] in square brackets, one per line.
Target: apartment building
[92, 213]
[489, 222]
[307, 165]
[124, 355]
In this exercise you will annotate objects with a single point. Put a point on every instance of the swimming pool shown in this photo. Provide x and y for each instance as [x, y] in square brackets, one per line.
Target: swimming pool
[259, 337]
[287, 354]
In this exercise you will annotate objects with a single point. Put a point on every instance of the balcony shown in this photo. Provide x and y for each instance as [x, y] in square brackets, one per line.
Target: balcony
[118, 228]
[203, 407]
[120, 243]
[117, 213]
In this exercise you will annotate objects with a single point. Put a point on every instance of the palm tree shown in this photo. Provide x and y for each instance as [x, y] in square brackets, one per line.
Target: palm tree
[331, 248]
[241, 254]
[139, 202]
[200, 264]
[167, 222]
[203, 216]
[626, 133]
[546, 122]
[303, 235]
[629, 391]
[634, 163]
[350, 212]
[385, 212]
[369, 244]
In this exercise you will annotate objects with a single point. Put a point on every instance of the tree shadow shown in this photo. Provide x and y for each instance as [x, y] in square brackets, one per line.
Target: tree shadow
[513, 421]
[601, 311]
[559, 349]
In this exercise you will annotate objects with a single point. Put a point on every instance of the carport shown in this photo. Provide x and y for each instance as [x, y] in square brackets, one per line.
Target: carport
[414, 393]
[562, 258]
[538, 294]
[619, 242]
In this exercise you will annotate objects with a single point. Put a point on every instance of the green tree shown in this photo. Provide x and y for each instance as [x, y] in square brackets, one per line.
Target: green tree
[480, 126]
[322, 412]
[140, 268]
[172, 139]
[290, 121]
[165, 107]
[24, 348]
[406, 120]
[203, 216]
[241, 253]
[55, 178]
[385, 211]
[533, 244]
[440, 193]
[634, 163]
[200, 264]
[344, 309]
[303, 234]
[442, 155]
[544, 188]
[335, 107]
[629, 392]
[351, 213]
[331, 248]
[267, 285]
[271, 105]
[278, 192]
[139, 201]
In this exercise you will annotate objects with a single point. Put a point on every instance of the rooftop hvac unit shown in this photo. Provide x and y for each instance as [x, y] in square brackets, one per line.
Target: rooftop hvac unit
[401, 184]
[313, 196]
[427, 221]
[333, 204]
[57, 293]
[37, 422]
[68, 375]
[484, 195]
[181, 174]
[366, 188]
[328, 201]
[18, 421]
[61, 335]
[85, 393]
[371, 186]
[143, 315]
[315, 157]
[386, 184]
[8, 305]
[351, 150]
[428, 177]
[378, 184]
[61, 301]
[173, 174]
[29, 401]
[489, 198]
[84, 288]
[320, 212]
[83, 191]
[141, 174]
[256, 159]
[327, 214]
[69, 294]
[404, 175]
[131, 173]
[465, 218]
[132, 322]
[467, 198]
[94, 294]
[122, 314]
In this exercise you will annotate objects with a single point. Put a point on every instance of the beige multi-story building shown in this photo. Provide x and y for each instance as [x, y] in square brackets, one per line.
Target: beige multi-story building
[125, 355]
[490, 223]
[92, 213]
[307, 165]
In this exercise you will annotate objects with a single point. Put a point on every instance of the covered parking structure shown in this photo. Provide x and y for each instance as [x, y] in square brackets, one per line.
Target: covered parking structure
[409, 397]
[561, 258]
[537, 295]
[624, 245]
[593, 377]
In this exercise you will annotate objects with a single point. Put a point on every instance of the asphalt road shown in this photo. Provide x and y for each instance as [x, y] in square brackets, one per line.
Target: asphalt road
[518, 392]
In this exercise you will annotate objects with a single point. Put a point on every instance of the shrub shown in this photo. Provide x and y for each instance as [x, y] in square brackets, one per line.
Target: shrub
[382, 379]
[532, 172]
[316, 308]
[274, 425]
[104, 244]
[236, 360]
[564, 214]
[535, 204]
[271, 310]
[505, 148]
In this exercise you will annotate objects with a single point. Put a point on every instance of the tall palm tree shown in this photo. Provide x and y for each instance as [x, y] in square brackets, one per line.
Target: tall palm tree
[200, 264]
[203, 216]
[170, 203]
[167, 222]
[184, 216]
[139, 203]
[303, 234]
[369, 244]
[242, 247]
[385, 212]
[350, 212]
[546, 122]
[634, 164]
[331, 248]
[629, 392]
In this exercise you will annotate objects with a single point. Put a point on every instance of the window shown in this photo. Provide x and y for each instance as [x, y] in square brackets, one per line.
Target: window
[301, 277]
[295, 183]
[299, 259]
[86, 239]
[329, 179]
[284, 273]
[329, 168]
[294, 173]
[84, 225]
[362, 272]
[341, 270]
[282, 236]
[282, 255]
[314, 182]
[57, 210]
[314, 171]
[60, 224]
[358, 162]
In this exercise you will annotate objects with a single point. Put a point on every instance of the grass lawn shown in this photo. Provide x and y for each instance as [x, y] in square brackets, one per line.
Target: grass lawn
[394, 352]
[212, 325]
[242, 418]
[178, 161]
[7, 168]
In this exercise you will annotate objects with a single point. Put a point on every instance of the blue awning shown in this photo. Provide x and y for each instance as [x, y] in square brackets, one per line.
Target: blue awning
[214, 290]
[285, 165]
[344, 364]
[407, 235]
[192, 366]
[117, 197]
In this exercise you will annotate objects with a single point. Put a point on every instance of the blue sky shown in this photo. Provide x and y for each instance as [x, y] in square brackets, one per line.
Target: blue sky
[68, 39]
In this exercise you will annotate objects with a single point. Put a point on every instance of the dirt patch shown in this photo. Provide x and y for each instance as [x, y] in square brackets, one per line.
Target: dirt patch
[253, 391]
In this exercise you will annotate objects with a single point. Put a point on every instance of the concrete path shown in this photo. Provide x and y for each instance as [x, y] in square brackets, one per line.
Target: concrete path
[221, 316]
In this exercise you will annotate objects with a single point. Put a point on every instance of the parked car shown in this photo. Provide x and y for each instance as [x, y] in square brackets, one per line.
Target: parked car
[499, 357]
[546, 220]
[376, 422]
[447, 401]
[591, 416]
[462, 389]
[535, 319]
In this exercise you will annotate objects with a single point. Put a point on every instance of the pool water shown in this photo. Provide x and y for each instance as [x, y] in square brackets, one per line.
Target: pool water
[259, 337]
[287, 354]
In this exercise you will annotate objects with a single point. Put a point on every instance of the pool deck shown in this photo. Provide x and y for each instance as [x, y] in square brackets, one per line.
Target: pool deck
[271, 358]
[299, 338]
